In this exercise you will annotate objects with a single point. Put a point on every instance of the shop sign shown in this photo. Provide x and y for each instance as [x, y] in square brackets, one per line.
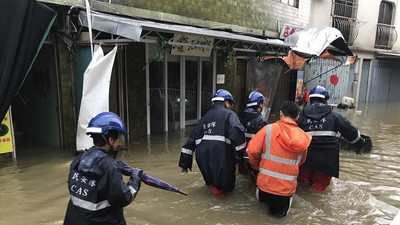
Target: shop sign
[191, 45]
[288, 30]
[6, 136]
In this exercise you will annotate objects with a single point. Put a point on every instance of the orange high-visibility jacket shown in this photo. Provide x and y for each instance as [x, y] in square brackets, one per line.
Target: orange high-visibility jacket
[276, 151]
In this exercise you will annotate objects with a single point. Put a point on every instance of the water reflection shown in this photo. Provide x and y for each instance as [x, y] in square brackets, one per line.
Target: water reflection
[34, 189]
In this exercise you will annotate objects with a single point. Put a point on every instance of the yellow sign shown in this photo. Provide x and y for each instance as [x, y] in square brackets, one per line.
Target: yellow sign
[6, 141]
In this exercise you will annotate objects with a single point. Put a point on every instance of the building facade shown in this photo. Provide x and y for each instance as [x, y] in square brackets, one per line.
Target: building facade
[371, 29]
[183, 50]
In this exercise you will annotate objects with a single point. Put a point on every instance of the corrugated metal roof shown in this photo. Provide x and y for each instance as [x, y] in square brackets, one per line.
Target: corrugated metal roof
[132, 29]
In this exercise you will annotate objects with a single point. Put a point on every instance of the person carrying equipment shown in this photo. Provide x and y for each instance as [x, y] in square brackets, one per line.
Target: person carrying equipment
[323, 125]
[217, 138]
[97, 190]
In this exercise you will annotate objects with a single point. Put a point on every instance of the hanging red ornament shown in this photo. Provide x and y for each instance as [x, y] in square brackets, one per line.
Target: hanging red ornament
[334, 79]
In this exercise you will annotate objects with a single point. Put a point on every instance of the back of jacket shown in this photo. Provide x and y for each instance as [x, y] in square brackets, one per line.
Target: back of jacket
[277, 150]
[322, 124]
[97, 191]
[252, 121]
[217, 137]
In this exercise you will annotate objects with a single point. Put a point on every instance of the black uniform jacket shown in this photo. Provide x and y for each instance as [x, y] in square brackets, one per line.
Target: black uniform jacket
[323, 124]
[217, 137]
[97, 191]
[252, 121]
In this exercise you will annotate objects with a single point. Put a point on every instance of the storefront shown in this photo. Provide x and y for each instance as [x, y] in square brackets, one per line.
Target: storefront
[178, 62]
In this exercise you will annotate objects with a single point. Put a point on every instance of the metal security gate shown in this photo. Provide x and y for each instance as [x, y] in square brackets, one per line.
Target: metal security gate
[385, 81]
[364, 80]
[319, 71]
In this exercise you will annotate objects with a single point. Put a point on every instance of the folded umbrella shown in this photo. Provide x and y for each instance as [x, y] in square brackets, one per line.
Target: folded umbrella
[150, 180]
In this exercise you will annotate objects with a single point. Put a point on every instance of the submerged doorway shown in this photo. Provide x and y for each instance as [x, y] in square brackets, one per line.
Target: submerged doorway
[172, 79]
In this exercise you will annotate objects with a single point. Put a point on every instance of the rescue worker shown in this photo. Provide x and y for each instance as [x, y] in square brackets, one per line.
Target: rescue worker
[97, 190]
[323, 124]
[252, 121]
[276, 151]
[217, 138]
[251, 117]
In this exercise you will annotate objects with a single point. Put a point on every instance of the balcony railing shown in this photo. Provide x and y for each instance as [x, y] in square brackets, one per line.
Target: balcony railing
[348, 27]
[386, 36]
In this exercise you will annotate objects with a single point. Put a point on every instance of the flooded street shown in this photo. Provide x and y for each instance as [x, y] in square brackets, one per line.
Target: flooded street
[34, 190]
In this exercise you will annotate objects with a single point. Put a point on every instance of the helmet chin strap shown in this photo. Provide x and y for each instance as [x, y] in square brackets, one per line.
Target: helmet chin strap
[108, 142]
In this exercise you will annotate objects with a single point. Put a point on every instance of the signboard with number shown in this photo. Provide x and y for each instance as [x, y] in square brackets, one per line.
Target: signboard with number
[6, 135]
[288, 29]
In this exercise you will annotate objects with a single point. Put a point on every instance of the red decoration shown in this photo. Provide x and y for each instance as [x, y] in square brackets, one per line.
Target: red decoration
[334, 79]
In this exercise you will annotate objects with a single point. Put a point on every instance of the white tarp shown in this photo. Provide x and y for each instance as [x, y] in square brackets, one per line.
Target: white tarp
[314, 41]
[95, 93]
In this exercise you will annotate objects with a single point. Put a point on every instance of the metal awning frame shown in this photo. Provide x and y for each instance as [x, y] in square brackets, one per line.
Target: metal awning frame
[154, 34]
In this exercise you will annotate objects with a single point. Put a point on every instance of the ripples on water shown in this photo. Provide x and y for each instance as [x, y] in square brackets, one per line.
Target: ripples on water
[34, 190]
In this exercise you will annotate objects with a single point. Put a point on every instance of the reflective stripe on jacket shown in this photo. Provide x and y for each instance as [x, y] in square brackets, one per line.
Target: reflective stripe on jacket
[97, 191]
[217, 138]
[277, 150]
[323, 125]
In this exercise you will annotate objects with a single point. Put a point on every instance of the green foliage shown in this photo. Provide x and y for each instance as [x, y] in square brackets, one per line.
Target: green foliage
[159, 55]
[229, 53]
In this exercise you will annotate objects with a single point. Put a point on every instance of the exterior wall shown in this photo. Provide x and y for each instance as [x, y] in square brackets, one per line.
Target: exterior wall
[261, 18]
[320, 13]
[367, 15]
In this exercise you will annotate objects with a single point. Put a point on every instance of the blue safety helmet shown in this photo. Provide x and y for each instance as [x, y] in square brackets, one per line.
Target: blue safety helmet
[319, 92]
[255, 98]
[222, 95]
[104, 122]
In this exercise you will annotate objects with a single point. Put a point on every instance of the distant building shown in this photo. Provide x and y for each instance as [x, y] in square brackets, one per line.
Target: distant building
[371, 29]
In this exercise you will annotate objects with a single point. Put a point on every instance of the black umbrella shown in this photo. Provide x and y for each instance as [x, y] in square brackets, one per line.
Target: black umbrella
[150, 180]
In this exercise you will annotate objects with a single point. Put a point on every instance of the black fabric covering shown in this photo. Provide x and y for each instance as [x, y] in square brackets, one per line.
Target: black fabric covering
[23, 26]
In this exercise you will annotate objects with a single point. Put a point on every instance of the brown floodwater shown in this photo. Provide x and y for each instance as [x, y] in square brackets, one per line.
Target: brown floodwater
[33, 189]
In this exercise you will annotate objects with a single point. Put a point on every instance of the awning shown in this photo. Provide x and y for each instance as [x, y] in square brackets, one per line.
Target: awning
[387, 55]
[137, 30]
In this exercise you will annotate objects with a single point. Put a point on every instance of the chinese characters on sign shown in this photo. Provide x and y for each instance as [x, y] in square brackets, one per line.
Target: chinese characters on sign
[6, 137]
[191, 45]
[288, 30]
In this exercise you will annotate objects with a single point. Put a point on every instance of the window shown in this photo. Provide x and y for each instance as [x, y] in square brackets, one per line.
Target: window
[385, 13]
[386, 34]
[345, 8]
[294, 3]
[344, 14]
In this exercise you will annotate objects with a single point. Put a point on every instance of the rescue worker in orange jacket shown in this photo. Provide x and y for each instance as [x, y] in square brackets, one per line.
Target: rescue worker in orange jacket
[276, 151]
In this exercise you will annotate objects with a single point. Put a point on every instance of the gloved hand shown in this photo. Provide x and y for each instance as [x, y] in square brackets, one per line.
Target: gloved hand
[185, 162]
[136, 172]
[359, 145]
[125, 168]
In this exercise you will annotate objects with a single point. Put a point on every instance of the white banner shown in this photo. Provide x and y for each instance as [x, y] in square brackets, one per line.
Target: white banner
[95, 93]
